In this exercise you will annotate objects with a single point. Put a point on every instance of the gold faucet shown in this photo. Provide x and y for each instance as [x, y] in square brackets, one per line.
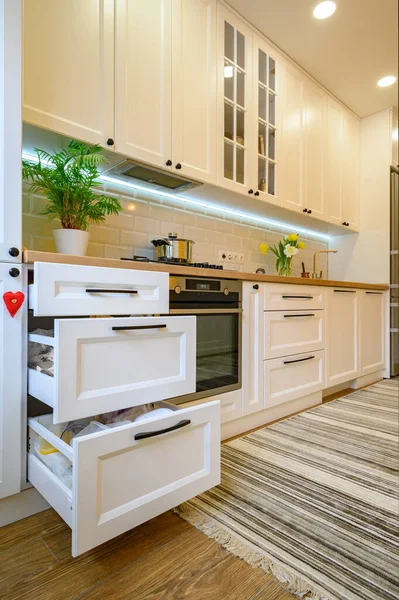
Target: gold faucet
[314, 274]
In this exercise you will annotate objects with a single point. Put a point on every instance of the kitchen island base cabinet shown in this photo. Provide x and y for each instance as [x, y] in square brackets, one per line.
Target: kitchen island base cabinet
[124, 476]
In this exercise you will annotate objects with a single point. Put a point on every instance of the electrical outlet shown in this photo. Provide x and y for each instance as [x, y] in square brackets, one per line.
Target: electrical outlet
[231, 257]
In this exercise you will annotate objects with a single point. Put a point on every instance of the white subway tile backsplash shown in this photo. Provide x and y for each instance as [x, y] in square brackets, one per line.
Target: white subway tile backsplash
[141, 221]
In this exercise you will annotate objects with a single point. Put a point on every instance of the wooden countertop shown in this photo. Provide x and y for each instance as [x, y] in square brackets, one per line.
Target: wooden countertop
[31, 256]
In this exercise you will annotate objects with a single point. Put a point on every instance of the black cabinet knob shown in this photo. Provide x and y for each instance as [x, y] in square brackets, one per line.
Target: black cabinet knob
[168, 163]
[178, 166]
[250, 191]
[110, 142]
[13, 252]
[256, 193]
[309, 212]
[347, 224]
[344, 223]
[305, 210]
[256, 286]
[14, 272]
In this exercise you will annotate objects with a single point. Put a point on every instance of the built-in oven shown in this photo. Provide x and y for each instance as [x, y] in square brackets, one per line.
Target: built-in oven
[217, 305]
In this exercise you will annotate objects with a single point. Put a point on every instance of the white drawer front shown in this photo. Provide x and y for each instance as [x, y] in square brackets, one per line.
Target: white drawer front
[293, 297]
[108, 364]
[292, 332]
[120, 480]
[71, 290]
[293, 376]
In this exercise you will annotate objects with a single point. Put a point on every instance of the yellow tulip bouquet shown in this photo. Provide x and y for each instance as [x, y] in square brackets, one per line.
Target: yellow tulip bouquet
[285, 250]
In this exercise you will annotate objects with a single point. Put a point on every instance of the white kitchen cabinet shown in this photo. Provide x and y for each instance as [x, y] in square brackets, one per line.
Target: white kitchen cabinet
[101, 365]
[252, 347]
[313, 148]
[342, 335]
[372, 331]
[68, 67]
[194, 88]
[291, 163]
[11, 387]
[341, 182]
[234, 97]
[293, 332]
[10, 132]
[333, 171]
[126, 475]
[265, 111]
[350, 156]
[291, 377]
[283, 296]
[76, 290]
[143, 80]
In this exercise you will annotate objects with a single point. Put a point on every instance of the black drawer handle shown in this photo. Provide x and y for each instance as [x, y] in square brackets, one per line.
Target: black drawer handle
[295, 297]
[147, 434]
[294, 316]
[345, 291]
[136, 327]
[379, 293]
[288, 362]
[114, 291]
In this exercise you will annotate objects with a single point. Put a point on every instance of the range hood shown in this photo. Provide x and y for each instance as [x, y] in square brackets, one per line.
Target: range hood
[130, 171]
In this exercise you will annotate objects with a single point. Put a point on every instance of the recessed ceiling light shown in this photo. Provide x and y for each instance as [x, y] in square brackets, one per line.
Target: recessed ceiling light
[323, 10]
[386, 81]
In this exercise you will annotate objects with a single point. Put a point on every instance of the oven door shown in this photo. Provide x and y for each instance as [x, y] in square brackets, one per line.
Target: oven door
[218, 351]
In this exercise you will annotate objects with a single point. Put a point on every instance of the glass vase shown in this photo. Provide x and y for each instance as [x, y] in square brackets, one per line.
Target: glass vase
[285, 269]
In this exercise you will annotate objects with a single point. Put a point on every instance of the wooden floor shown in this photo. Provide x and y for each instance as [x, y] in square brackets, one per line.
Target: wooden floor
[165, 558]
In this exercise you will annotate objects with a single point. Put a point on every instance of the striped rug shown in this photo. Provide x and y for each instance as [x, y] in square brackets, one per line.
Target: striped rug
[315, 498]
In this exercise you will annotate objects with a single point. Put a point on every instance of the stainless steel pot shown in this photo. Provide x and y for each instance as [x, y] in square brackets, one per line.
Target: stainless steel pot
[174, 248]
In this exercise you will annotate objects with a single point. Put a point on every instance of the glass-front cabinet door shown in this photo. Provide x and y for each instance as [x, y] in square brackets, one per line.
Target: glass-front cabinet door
[265, 123]
[234, 102]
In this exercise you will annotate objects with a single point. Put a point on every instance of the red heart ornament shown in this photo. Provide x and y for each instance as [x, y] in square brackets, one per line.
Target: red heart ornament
[13, 301]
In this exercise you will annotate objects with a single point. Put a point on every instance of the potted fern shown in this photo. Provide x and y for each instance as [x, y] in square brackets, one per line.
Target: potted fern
[68, 178]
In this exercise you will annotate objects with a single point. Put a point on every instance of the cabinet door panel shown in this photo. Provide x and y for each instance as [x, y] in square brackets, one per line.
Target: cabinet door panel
[10, 389]
[314, 101]
[350, 170]
[291, 139]
[252, 348]
[194, 88]
[143, 80]
[10, 131]
[333, 180]
[342, 312]
[68, 68]
[265, 146]
[372, 332]
[234, 101]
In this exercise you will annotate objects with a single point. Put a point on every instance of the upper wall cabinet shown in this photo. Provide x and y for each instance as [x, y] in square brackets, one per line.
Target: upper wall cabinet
[341, 189]
[313, 149]
[265, 122]
[234, 101]
[68, 67]
[291, 163]
[143, 80]
[194, 88]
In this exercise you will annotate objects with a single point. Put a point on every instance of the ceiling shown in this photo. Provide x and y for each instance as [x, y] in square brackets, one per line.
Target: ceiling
[347, 53]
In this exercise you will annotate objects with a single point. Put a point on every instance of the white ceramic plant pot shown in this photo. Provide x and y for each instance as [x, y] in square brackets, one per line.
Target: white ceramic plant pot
[71, 241]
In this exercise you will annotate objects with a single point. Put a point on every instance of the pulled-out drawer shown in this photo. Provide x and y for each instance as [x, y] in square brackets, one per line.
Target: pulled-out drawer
[101, 365]
[124, 476]
[293, 297]
[291, 377]
[72, 290]
[293, 332]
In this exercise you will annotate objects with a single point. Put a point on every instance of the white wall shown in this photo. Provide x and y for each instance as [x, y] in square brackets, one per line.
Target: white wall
[365, 256]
